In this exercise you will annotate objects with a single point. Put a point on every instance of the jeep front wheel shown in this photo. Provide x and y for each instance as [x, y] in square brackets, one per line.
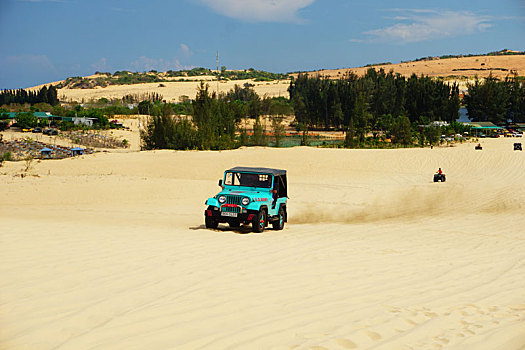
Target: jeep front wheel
[279, 223]
[259, 221]
[210, 222]
[234, 224]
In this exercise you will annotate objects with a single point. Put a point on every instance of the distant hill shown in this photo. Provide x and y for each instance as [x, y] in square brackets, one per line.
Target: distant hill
[196, 74]
[178, 85]
[461, 67]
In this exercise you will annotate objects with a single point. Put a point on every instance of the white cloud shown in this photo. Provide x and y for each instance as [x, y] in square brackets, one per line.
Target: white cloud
[144, 63]
[100, 65]
[185, 50]
[34, 61]
[259, 10]
[422, 25]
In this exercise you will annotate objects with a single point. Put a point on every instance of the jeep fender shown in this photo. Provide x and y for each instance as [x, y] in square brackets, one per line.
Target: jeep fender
[256, 212]
[213, 202]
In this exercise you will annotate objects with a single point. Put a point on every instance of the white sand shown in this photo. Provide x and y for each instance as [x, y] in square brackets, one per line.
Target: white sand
[109, 252]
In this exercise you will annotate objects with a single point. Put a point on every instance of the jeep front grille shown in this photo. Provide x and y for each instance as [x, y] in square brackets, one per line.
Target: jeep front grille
[231, 209]
[234, 200]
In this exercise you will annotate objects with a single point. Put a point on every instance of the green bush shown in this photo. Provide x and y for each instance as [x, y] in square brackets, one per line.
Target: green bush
[6, 156]
[165, 132]
[26, 120]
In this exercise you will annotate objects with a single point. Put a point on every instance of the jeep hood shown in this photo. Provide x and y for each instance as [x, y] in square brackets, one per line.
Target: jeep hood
[247, 193]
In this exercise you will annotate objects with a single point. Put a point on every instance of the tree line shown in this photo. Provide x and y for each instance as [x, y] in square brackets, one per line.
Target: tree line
[496, 101]
[364, 101]
[381, 103]
[217, 122]
[44, 95]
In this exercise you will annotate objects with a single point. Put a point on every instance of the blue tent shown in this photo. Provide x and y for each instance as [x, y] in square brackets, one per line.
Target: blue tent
[46, 152]
[77, 151]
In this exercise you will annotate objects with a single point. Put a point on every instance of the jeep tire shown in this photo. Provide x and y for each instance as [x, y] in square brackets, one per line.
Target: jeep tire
[234, 224]
[210, 222]
[259, 221]
[279, 223]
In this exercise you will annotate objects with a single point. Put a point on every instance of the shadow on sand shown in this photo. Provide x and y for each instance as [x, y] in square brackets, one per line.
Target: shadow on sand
[245, 229]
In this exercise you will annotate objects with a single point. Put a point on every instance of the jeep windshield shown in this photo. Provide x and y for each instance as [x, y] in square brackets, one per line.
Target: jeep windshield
[248, 179]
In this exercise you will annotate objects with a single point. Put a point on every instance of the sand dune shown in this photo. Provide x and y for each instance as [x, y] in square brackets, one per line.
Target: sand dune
[467, 67]
[109, 252]
[172, 91]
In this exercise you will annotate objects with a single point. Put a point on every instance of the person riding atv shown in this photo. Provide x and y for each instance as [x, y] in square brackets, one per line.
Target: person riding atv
[439, 176]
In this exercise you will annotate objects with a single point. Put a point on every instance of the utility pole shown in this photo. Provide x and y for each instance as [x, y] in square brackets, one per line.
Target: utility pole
[217, 59]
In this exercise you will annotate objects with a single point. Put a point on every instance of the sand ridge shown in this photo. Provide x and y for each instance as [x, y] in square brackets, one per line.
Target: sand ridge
[109, 251]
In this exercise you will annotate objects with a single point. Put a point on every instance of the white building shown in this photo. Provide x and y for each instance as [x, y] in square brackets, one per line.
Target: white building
[84, 120]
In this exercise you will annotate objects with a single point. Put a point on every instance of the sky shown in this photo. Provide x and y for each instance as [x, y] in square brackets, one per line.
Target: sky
[42, 41]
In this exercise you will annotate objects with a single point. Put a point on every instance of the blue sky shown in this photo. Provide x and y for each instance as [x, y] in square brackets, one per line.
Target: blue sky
[47, 40]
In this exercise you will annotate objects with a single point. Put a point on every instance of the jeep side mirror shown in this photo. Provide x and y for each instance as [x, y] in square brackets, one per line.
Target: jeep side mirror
[220, 183]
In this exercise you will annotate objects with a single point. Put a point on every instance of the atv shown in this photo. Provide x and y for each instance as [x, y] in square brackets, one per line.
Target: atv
[439, 177]
[255, 196]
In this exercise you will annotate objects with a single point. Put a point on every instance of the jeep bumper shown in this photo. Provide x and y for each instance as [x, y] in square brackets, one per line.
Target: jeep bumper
[221, 216]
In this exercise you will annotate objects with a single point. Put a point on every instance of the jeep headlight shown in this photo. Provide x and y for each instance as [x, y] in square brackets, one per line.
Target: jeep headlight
[222, 199]
[245, 201]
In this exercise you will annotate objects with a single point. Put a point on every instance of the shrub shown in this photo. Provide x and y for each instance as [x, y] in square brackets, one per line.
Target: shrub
[6, 156]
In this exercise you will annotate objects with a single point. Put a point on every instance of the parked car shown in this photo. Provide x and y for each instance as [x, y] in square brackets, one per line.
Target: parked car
[255, 196]
[37, 129]
[50, 132]
[26, 129]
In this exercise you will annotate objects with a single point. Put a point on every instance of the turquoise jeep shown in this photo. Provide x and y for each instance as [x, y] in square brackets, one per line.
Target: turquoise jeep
[249, 195]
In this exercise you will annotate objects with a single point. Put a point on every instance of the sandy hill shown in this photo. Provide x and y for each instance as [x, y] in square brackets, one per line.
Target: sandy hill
[171, 91]
[457, 69]
[453, 68]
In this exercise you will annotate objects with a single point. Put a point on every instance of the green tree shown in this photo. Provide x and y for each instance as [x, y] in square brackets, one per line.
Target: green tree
[361, 117]
[259, 133]
[433, 134]
[166, 110]
[145, 107]
[26, 120]
[401, 130]
[101, 120]
[203, 116]
[215, 120]
[278, 129]
[487, 101]
[350, 135]
[164, 132]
